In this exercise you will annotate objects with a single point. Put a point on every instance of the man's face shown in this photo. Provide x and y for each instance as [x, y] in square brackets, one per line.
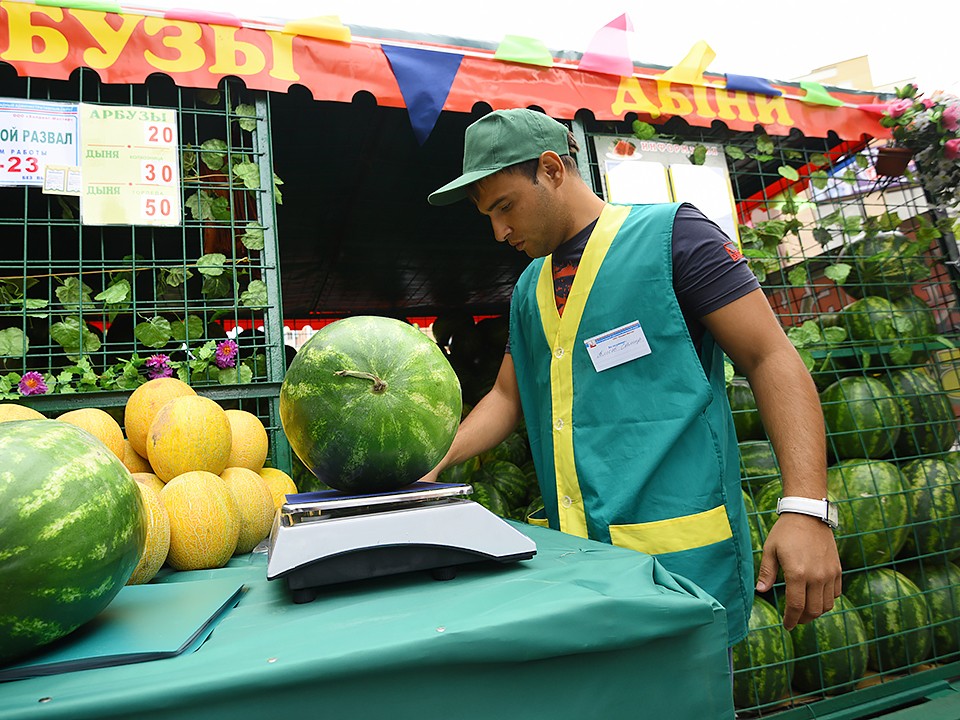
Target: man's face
[523, 214]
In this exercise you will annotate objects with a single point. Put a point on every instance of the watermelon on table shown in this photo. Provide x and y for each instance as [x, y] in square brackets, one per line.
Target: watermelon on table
[896, 616]
[883, 263]
[763, 661]
[370, 404]
[743, 404]
[72, 529]
[940, 582]
[758, 463]
[931, 485]
[874, 511]
[831, 651]
[862, 418]
[928, 423]
[509, 480]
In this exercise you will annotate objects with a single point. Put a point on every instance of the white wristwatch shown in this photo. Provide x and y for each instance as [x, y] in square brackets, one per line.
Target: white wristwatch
[823, 509]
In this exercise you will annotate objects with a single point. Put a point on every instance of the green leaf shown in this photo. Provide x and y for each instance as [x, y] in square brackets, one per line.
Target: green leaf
[188, 163]
[211, 264]
[849, 177]
[807, 359]
[834, 335]
[13, 343]
[74, 336]
[944, 341]
[154, 333]
[73, 292]
[765, 144]
[805, 335]
[798, 276]
[851, 224]
[699, 155]
[210, 96]
[819, 159]
[277, 195]
[252, 237]
[861, 161]
[200, 205]
[220, 286]
[220, 208]
[176, 276]
[255, 295]
[759, 269]
[901, 355]
[116, 293]
[240, 375]
[838, 272]
[642, 130]
[249, 173]
[192, 329]
[761, 158]
[729, 372]
[734, 152]
[789, 173]
[247, 119]
[820, 179]
[213, 153]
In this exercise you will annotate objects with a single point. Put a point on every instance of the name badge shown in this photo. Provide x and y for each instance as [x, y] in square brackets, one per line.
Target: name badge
[617, 346]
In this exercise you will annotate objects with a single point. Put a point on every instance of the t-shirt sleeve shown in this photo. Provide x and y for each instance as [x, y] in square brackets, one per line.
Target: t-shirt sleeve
[709, 271]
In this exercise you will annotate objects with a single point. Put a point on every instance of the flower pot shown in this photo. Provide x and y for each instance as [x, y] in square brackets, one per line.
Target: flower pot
[892, 161]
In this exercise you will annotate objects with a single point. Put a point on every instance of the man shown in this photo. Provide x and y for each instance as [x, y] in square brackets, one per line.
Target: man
[619, 375]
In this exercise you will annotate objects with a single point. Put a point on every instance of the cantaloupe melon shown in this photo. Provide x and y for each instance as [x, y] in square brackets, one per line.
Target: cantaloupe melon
[133, 460]
[143, 405]
[204, 521]
[280, 485]
[149, 479]
[250, 444]
[99, 424]
[255, 503]
[158, 537]
[12, 411]
[189, 433]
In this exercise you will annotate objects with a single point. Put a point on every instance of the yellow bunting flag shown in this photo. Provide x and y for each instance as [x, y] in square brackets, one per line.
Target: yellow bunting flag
[689, 71]
[327, 27]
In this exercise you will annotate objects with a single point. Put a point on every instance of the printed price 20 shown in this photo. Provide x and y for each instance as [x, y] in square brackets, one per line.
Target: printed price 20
[160, 133]
[156, 207]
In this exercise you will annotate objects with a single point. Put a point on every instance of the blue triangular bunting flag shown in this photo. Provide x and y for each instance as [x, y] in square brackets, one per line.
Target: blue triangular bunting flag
[424, 77]
[751, 84]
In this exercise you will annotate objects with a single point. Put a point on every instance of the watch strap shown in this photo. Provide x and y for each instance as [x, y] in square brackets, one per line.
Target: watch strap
[808, 506]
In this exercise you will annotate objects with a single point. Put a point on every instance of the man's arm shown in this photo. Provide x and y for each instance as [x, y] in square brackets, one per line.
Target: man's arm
[489, 423]
[803, 546]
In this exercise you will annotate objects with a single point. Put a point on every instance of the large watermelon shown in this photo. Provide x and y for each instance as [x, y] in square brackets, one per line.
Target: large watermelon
[931, 485]
[874, 511]
[883, 263]
[862, 419]
[746, 417]
[513, 449]
[509, 480]
[896, 616]
[763, 661]
[928, 423]
[461, 473]
[919, 313]
[757, 534]
[940, 582]
[758, 463]
[370, 404]
[831, 651]
[72, 529]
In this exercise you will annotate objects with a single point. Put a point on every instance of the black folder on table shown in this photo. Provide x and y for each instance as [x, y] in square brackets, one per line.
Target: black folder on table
[143, 622]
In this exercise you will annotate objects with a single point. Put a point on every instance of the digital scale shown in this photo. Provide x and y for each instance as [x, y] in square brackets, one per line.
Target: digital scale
[328, 537]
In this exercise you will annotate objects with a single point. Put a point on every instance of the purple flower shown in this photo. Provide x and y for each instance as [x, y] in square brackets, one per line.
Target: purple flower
[157, 366]
[32, 383]
[226, 354]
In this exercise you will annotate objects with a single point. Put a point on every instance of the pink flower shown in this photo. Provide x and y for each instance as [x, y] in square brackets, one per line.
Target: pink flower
[226, 355]
[951, 117]
[898, 108]
[32, 383]
[157, 366]
[927, 103]
[951, 149]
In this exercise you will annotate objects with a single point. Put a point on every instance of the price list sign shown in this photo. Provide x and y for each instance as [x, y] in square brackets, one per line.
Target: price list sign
[129, 158]
[34, 134]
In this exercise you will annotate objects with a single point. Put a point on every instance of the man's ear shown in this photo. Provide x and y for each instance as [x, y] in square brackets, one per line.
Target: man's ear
[552, 167]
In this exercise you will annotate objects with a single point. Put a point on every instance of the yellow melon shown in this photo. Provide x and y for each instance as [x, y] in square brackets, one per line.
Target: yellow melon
[158, 537]
[149, 479]
[12, 411]
[189, 433]
[249, 449]
[204, 521]
[143, 405]
[255, 503]
[280, 485]
[99, 424]
[134, 462]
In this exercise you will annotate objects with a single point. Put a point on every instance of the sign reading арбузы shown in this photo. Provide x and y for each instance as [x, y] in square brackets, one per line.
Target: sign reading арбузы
[34, 134]
[129, 159]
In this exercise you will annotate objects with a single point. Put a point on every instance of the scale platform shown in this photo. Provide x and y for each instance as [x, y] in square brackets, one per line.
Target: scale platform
[329, 537]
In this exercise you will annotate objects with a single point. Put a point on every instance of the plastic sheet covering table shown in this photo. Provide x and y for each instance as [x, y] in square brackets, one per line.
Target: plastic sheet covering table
[583, 630]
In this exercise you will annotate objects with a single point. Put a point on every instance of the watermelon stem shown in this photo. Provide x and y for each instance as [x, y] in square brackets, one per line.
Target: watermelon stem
[379, 385]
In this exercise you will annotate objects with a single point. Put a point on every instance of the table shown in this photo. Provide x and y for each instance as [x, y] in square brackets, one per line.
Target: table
[583, 630]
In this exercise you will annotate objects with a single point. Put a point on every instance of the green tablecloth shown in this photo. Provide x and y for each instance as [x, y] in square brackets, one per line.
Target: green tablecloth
[583, 630]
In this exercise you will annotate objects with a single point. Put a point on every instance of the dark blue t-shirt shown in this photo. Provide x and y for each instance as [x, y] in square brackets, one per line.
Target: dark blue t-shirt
[708, 269]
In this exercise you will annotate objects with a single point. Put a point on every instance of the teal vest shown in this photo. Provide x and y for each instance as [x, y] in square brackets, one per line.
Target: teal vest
[642, 455]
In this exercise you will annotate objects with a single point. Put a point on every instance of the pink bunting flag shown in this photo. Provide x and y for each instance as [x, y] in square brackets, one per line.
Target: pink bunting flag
[608, 51]
[874, 108]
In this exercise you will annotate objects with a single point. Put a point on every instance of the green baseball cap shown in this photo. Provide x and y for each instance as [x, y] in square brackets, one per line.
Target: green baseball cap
[498, 140]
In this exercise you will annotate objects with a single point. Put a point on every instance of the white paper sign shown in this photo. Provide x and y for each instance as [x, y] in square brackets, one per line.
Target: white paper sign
[617, 346]
[34, 134]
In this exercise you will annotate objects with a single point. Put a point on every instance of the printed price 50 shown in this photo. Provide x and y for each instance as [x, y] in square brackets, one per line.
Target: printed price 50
[156, 207]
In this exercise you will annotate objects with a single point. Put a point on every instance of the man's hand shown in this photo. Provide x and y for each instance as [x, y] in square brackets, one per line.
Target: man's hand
[804, 548]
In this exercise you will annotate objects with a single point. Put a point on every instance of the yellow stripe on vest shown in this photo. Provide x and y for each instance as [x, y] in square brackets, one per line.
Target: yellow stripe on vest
[561, 334]
[676, 534]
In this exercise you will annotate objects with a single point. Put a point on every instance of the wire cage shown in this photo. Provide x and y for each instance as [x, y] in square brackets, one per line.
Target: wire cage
[861, 272]
[90, 312]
